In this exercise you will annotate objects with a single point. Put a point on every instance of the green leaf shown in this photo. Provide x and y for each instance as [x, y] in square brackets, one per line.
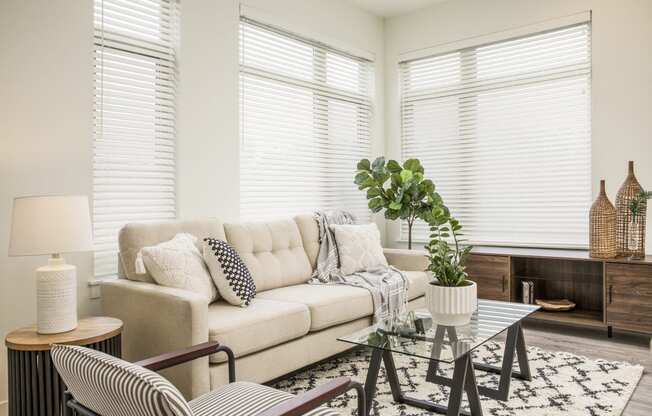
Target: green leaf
[364, 164]
[380, 176]
[413, 165]
[367, 183]
[375, 203]
[361, 177]
[395, 205]
[391, 214]
[427, 186]
[406, 175]
[396, 180]
[378, 164]
[393, 166]
[373, 192]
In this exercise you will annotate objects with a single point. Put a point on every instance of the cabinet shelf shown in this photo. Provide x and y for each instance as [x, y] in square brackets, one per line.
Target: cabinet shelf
[586, 279]
[576, 316]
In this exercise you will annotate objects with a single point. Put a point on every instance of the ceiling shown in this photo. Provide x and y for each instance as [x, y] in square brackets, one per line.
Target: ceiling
[390, 8]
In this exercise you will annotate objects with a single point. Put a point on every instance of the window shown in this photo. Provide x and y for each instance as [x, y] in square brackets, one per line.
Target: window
[305, 122]
[134, 127]
[504, 131]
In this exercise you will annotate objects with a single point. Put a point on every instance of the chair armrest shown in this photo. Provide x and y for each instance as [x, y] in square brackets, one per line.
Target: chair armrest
[407, 260]
[318, 396]
[170, 359]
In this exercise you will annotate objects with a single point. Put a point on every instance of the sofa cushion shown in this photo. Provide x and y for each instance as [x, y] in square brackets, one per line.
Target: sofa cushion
[329, 305]
[133, 237]
[418, 282]
[273, 252]
[309, 230]
[265, 323]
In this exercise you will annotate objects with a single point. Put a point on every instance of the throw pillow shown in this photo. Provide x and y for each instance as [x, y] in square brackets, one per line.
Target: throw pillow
[230, 274]
[359, 247]
[178, 263]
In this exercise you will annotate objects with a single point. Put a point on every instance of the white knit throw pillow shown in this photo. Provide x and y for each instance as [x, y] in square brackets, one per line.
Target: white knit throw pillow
[359, 247]
[178, 263]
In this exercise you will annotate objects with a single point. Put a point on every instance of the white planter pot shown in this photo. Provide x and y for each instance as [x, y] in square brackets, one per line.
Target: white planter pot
[451, 306]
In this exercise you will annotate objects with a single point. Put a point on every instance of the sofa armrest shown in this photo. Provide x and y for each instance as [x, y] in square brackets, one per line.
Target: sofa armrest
[159, 319]
[407, 260]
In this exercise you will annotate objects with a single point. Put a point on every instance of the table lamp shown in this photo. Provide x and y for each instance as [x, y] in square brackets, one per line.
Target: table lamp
[51, 225]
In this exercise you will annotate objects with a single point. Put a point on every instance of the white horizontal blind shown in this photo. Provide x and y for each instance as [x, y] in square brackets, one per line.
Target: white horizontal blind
[504, 131]
[305, 122]
[134, 113]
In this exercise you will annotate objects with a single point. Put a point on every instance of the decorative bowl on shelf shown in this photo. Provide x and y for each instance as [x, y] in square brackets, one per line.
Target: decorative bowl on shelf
[555, 304]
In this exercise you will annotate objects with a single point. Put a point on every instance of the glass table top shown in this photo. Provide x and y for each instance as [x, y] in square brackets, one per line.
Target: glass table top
[444, 343]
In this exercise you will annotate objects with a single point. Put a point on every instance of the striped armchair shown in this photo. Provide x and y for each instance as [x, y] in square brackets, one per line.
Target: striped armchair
[100, 384]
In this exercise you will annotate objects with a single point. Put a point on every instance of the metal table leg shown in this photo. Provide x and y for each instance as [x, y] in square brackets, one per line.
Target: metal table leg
[463, 380]
[514, 345]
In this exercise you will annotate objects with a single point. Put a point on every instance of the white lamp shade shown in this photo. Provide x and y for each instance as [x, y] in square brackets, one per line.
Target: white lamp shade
[50, 224]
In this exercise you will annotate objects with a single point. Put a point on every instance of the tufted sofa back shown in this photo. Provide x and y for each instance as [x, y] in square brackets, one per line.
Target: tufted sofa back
[135, 236]
[273, 251]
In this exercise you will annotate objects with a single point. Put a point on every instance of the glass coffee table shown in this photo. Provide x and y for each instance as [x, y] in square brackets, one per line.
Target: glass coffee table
[454, 345]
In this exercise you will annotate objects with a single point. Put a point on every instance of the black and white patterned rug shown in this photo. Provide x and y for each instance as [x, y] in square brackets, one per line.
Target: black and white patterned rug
[562, 384]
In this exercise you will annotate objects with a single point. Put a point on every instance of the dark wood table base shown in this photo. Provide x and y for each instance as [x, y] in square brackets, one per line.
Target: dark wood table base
[463, 379]
[35, 387]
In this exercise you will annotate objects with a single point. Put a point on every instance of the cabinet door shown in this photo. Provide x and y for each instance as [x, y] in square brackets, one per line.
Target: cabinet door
[629, 296]
[491, 274]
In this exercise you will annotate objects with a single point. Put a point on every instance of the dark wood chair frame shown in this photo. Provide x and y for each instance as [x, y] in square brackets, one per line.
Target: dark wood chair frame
[297, 406]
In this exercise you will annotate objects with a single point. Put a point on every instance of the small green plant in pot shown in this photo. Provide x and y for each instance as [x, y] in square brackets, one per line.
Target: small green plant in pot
[401, 190]
[450, 296]
[636, 227]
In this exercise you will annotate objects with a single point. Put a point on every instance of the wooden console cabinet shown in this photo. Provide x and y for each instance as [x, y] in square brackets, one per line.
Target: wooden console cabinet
[608, 292]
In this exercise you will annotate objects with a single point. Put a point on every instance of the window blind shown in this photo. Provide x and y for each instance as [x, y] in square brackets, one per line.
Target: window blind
[504, 131]
[305, 122]
[134, 119]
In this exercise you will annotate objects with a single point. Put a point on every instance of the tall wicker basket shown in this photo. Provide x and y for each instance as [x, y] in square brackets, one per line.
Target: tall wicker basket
[602, 218]
[629, 189]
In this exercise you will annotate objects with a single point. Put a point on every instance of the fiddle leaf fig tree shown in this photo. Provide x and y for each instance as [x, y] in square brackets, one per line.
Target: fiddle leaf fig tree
[401, 191]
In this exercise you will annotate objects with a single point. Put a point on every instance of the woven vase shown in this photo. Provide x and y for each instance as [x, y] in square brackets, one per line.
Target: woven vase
[629, 189]
[602, 219]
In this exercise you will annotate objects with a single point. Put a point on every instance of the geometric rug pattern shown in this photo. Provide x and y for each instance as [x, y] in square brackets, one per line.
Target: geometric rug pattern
[562, 384]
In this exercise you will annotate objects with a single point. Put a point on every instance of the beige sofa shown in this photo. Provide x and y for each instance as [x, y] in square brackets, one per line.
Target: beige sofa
[289, 325]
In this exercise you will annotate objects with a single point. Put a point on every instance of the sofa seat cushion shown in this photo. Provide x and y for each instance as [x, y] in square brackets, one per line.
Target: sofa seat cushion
[329, 304]
[265, 323]
[418, 282]
[245, 399]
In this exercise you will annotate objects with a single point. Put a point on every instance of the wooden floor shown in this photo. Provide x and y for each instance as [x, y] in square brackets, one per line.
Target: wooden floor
[594, 343]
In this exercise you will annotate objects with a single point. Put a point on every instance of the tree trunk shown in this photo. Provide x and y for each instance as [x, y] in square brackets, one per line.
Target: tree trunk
[410, 235]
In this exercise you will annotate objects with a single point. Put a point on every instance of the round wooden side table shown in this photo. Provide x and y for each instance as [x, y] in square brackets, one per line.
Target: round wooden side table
[35, 388]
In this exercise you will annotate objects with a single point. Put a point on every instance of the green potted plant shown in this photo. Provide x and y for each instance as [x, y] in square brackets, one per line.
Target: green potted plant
[450, 296]
[636, 227]
[401, 190]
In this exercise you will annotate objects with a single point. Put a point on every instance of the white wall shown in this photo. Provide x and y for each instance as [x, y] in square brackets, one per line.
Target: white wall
[208, 106]
[46, 87]
[46, 100]
[622, 78]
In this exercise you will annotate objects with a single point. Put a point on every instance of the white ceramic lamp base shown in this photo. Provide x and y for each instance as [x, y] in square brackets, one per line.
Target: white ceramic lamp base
[56, 297]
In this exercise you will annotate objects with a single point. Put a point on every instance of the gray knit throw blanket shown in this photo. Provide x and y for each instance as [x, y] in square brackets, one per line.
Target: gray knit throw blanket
[388, 286]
